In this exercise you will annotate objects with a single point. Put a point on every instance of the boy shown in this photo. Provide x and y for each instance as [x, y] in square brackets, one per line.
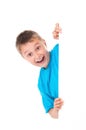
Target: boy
[33, 48]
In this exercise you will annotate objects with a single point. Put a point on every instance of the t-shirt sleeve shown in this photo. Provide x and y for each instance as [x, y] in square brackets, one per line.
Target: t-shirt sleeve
[47, 102]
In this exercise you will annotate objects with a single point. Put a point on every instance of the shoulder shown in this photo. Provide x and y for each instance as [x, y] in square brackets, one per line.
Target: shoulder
[55, 50]
[56, 47]
[55, 54]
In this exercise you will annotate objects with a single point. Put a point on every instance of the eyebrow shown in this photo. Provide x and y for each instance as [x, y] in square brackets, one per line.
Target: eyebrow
[36, 44]
[26, 51]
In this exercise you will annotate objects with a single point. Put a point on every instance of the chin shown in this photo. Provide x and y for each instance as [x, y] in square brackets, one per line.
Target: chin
[45, 66]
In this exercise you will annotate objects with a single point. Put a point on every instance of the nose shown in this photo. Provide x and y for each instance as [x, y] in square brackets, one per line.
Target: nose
[36, 55]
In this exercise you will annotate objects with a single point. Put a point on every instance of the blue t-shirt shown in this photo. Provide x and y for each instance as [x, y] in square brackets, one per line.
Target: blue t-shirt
[48, 80]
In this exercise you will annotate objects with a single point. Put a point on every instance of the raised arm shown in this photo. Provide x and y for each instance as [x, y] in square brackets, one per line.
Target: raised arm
[56, 31]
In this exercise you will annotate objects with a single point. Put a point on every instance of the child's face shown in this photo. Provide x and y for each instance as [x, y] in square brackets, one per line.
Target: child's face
[36, 53]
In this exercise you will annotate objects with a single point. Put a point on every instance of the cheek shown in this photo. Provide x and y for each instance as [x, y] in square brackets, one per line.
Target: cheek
[28, 59]
[31, 60]
[43, 51]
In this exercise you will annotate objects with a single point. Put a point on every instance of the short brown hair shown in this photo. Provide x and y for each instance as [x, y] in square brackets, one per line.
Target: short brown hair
[26, 36]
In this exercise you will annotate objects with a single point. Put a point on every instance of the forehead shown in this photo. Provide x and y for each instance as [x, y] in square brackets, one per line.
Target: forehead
[32, 43]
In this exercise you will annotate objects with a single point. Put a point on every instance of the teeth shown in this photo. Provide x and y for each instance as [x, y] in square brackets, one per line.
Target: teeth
[38, 60]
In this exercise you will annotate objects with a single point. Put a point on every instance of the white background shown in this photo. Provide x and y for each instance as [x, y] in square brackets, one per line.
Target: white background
[20, 102]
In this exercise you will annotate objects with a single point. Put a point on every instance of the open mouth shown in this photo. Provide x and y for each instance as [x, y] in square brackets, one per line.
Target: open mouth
[40, 60]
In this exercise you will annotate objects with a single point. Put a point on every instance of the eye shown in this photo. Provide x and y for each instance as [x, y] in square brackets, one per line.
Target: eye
[30, 54]
[38, 47]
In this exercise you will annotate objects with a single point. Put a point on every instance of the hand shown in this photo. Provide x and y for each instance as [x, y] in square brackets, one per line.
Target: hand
[56, 31]
[53, 113]
[58, 103]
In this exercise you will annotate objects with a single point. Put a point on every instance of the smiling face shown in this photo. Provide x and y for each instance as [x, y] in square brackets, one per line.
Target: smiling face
[36, 53]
